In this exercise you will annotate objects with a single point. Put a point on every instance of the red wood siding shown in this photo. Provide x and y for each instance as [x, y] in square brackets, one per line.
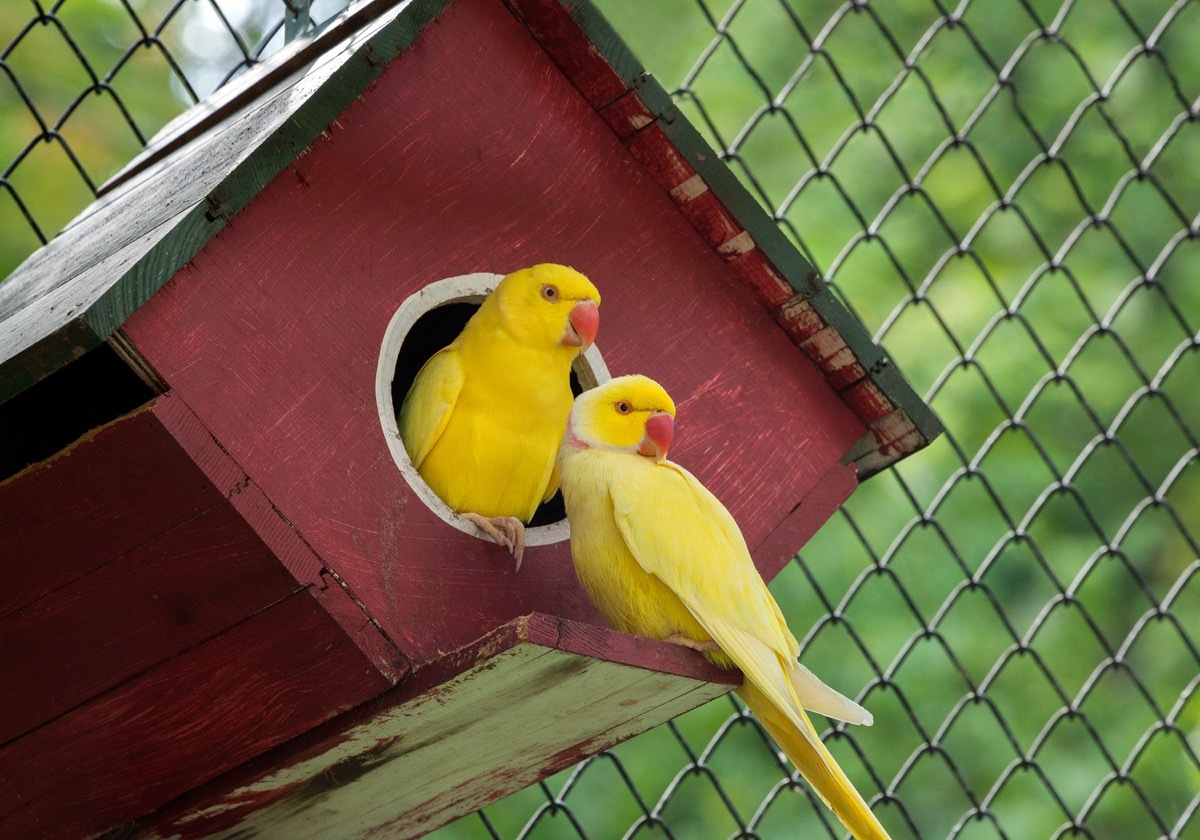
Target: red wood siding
[153, 603]
[456, 736]
[154, 638]
[117, 488]
[271, 677]
[470, 153]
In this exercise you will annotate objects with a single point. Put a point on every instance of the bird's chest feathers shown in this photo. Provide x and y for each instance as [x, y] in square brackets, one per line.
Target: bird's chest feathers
[514, 398]
[629, 597]
[496, 452]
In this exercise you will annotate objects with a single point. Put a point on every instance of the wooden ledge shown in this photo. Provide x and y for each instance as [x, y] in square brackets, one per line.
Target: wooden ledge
[528, 699]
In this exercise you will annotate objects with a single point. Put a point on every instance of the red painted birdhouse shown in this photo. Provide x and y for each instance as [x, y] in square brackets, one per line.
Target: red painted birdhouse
[231, 602]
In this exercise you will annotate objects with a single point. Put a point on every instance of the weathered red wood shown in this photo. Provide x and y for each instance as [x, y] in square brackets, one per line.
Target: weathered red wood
[200, 445]
[268, 679]
[116, 488]
[710, 218]
[627, 115]
[579, 60]
[757, 272]
[157, 601]
[419, 181]
[781, 545]
[290, 549]
[869, 401]
[456, 736]
[654, 150]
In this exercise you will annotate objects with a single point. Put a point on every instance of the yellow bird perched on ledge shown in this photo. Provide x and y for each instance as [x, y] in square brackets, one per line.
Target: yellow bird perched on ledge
[660, 556]
[483, 419]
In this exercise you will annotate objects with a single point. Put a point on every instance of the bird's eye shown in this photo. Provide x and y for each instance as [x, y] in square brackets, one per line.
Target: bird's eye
[550, 292]
[623, 407]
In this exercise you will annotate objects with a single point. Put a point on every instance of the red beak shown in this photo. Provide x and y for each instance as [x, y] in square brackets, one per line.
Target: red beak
[582, 325]
[660, 429]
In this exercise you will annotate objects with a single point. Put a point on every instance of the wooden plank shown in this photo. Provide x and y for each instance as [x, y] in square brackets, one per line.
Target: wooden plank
[181, 723]
[115, 489]
[163, 195]
[822, 502]
[450, 174]
[124, 246]
[159, 600]
[456, 737]
[269, 523]
[598, 81]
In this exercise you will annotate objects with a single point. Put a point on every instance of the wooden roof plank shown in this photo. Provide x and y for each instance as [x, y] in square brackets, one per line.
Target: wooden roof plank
[268, 678]
[57, 534]
[526, 700]
[127, 244]
[74, 644]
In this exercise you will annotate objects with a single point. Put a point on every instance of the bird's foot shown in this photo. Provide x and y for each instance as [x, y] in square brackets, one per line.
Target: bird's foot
[507, 531]
[694, 644]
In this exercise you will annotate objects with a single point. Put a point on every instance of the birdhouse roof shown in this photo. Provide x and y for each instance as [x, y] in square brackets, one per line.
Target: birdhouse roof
[203, 168]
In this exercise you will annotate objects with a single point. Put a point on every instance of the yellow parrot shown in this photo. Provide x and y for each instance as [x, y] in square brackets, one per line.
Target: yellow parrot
[484, 416]
[660, 556]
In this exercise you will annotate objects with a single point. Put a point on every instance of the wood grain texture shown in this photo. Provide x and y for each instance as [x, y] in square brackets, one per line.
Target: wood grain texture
[592, 75]
[117, 488]
[76, 290]
[826, 496]
[268, 679]
[416, 182]
[531, 697]
[286, 545]
[158, 601]
[199, 444]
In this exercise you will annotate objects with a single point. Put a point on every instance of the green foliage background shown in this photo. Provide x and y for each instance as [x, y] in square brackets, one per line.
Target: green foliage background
[1006, 195]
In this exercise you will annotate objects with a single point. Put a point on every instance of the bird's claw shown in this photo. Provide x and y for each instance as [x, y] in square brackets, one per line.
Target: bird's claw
[694, 644]
[507, 531]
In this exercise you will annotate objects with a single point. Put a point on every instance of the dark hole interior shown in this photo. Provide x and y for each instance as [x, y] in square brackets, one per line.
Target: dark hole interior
[433, 331]
[92, 390]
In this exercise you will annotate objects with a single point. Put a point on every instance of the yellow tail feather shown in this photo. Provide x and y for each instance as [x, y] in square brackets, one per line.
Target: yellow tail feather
[815, 763]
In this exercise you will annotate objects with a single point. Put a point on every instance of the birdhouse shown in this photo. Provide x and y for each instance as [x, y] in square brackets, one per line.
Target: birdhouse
[232, 603]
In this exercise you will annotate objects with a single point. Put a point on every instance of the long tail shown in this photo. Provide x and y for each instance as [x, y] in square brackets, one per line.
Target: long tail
[799, 740]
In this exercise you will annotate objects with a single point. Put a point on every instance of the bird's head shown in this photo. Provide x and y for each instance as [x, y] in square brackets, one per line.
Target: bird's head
[549, 305]
[628, 414]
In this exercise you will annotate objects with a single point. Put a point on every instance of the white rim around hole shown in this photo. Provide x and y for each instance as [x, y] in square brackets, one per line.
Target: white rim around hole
[466, 288]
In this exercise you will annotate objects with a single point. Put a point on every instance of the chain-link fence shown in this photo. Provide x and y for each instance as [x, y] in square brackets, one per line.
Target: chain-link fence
[1006, 193]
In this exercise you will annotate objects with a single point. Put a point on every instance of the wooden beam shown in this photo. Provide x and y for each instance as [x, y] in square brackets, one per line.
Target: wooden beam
[118, 487]
[534, 696]
[269, 678]
[158, 601]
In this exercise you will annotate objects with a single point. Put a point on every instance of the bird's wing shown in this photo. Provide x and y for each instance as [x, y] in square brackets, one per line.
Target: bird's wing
[430, 402]
[682, 534]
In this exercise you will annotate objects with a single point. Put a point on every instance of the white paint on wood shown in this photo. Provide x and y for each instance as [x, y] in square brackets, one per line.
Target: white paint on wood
[466, 288]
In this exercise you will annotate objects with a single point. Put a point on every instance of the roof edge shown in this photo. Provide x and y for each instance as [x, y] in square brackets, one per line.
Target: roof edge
[721, 209]
[126, 278]
[579, 40]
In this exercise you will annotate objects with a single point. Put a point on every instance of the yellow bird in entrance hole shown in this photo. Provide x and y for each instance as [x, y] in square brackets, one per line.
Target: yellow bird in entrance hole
[660, 556]
[484, 417]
